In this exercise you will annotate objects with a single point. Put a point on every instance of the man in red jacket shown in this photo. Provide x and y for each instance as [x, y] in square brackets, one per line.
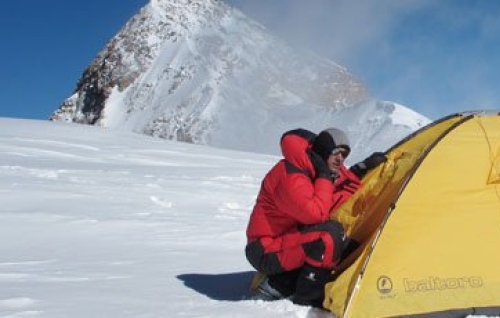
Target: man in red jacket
[290, 236]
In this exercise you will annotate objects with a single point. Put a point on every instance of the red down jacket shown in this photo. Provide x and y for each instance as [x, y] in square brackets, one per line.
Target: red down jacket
[290, 196]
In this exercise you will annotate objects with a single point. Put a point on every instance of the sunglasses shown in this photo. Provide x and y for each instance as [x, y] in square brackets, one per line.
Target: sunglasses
[340, 150]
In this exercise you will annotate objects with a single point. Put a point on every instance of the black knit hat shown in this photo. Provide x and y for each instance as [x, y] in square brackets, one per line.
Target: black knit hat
[328, 140]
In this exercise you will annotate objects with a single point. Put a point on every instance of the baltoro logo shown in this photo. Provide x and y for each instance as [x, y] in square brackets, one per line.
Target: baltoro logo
[439, 283]
[384, 285]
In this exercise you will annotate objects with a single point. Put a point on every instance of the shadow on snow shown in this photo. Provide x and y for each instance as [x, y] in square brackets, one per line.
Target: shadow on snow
[229, 287]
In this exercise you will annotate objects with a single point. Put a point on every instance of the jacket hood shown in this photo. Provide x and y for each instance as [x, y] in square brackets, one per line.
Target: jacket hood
[295, 145]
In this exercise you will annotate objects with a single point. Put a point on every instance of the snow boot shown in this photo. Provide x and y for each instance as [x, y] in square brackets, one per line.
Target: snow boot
[277, 286]
[285, 282]
[266, 292]
[311, 286]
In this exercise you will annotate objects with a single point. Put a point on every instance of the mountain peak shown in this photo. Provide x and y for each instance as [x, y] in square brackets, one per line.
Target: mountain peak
[202, 72]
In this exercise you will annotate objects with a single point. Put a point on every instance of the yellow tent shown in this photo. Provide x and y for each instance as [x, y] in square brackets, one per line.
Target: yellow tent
[428, 221]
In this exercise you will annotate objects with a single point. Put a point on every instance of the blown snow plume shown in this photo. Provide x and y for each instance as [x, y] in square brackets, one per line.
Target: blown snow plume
[200, 71]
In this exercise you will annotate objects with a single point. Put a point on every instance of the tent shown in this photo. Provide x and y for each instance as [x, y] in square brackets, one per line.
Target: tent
[428, 224]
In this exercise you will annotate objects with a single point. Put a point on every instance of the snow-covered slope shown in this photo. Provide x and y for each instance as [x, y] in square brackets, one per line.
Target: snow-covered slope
[202, 72]
[96, 223]
[193, 70]
[99, 223]
[179, 63]
[371, 126]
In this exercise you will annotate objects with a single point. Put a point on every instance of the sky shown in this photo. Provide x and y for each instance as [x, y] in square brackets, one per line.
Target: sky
[99, 223]
[435, 57]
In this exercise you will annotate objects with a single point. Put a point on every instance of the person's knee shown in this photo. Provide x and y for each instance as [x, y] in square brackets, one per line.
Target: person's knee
[327, 250]
[267, 263]
[254, 251]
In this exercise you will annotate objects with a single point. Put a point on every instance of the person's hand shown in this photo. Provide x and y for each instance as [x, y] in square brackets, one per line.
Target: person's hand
[374, 160]
[361, 168]
[322, 170]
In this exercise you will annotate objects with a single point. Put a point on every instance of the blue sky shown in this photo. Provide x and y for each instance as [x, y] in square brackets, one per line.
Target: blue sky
[436, 57]
[47, 44]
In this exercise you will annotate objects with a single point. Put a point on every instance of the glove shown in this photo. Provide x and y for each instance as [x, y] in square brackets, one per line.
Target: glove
[322, 170]
[374, 160]
[361, 168]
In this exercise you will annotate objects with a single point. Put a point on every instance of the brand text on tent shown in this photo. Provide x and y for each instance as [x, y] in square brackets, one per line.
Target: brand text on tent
[440, 283]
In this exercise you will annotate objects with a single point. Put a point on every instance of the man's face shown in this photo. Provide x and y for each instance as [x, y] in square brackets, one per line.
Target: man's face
[336, 159]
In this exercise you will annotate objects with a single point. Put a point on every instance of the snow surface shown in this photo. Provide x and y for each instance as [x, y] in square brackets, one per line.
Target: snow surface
[99, 223]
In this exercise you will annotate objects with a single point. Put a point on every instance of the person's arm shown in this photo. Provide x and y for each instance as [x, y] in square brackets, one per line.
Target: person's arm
[344, 187]
[361, 168]
[306, 201]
